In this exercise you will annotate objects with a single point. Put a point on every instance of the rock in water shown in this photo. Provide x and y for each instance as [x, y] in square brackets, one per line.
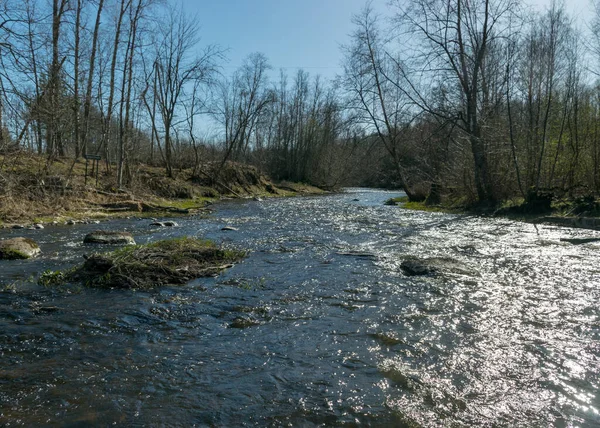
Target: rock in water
[108, 237]
[416, 267]
[243, 322]
[579, 241]
[164, 224]
[18, 248]
[229, 229]
[433, 266]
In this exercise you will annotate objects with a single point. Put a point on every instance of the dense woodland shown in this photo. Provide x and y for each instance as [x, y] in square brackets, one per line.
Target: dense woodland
[479, 101]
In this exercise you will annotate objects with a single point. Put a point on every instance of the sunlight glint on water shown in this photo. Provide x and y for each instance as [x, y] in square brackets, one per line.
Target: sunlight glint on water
[333, 331]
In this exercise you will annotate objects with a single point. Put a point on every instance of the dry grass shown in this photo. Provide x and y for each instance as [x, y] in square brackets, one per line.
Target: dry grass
[33, 190]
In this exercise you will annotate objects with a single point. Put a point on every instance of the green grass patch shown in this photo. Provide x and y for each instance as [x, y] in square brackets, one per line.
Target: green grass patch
[422, 206]
[43, 220]
[187, 204]
[11, 254]
[50, 278]
[396, 201]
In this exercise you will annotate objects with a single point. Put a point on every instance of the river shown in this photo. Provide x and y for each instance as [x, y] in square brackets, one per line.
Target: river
[318, 326]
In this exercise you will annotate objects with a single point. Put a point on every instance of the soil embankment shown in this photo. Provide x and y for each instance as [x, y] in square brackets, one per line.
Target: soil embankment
[34, 191]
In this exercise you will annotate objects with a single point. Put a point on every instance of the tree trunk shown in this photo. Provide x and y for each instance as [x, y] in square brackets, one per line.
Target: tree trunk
[88, 91]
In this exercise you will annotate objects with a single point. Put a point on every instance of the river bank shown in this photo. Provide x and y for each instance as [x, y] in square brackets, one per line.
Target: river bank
[582, 213]
[34, 192]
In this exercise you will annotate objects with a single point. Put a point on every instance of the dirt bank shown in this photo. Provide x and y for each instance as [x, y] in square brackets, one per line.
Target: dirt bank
[35, 191]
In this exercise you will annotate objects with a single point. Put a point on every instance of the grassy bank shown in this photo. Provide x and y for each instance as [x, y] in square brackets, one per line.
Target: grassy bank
[577, 212]
[405, 203]
[35, 191]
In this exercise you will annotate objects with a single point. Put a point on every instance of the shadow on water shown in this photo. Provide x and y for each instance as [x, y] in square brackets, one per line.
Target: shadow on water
[318, 326]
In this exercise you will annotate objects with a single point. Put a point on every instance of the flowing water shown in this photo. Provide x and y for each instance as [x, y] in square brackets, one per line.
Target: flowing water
[318, 326]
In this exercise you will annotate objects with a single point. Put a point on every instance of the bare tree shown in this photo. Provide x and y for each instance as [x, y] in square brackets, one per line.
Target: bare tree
[453, 39]
[242, 99]
[53, 136]
[87, 101]
[127, 87]
[124, 6]
[195, 106]
[374, 81]
[174, 70]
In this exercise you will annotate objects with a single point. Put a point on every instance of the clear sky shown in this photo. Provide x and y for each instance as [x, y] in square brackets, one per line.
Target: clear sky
[294, 33]
[291, 33]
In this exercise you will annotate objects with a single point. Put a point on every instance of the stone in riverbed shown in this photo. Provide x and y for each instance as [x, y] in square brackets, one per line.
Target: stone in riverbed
[433, 266]
[164, 224]
[243, 322]
[18, 248]
[579, 241]
[229, 229]
[108, 237]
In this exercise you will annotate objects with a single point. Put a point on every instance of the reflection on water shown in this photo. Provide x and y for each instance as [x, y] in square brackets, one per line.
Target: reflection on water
[318, 326]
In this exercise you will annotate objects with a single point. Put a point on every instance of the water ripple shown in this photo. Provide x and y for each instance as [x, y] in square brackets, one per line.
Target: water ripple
[318, 326]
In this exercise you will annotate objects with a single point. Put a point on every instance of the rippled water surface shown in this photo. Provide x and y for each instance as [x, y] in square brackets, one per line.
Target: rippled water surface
[318, 326]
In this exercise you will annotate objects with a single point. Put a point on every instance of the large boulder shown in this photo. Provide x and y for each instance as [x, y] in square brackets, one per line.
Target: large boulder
[18, 248]
[109, 237]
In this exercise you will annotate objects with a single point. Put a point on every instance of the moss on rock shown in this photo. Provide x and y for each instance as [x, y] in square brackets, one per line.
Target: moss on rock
[18, 248]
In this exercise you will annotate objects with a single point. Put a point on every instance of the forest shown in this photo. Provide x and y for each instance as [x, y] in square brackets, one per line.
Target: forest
[479, 102]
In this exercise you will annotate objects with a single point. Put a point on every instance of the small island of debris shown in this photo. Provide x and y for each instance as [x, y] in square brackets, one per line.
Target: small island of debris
[167, 262]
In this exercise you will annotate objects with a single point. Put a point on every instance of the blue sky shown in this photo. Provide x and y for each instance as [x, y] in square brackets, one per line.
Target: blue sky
[293, 33]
